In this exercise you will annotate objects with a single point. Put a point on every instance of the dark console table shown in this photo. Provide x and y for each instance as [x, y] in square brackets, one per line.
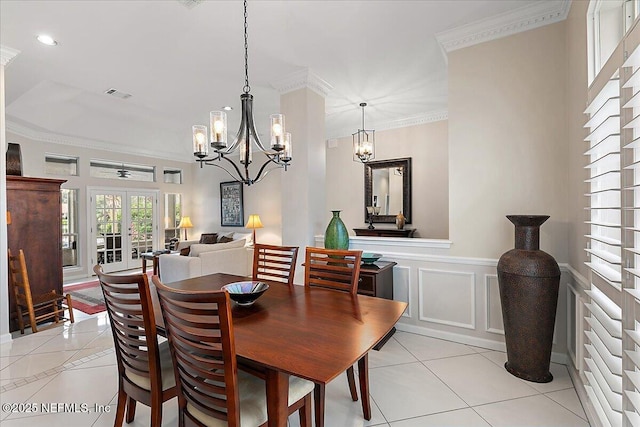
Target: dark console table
[376, 280]
[385, 232]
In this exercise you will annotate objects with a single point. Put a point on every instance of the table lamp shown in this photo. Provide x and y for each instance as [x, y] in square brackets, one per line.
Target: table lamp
[254, 222]
[185, 223]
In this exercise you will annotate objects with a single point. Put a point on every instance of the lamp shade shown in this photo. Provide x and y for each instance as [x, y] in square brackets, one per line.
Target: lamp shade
[254, 222]
[185, 222]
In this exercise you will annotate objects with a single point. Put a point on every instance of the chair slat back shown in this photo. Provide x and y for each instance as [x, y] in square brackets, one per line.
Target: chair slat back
[277, 263]
[130, 310]
[202, 343]
[333, 269]
[19, 278]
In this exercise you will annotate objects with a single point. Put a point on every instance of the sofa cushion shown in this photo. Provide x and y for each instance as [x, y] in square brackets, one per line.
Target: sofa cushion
[225, 234]
[208, 238]
[225, 239]
[197, 249]
[246, 236]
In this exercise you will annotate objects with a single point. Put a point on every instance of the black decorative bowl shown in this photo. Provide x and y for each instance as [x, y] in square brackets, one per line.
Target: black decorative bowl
[245, 293]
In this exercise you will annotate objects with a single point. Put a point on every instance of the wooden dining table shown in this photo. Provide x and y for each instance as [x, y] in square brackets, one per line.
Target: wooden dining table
[311, 333]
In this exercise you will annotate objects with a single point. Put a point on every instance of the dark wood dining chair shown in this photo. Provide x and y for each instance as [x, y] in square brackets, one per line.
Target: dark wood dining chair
[47, 307]
[211, 390]
[145, 371]
[276, 263]
[338, 270]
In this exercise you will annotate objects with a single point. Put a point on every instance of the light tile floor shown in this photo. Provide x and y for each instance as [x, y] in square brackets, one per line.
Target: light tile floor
[415, 381]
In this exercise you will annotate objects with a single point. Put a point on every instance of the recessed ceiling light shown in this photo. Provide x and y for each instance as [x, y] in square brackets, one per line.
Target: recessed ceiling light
[47, 39]
[227, 108]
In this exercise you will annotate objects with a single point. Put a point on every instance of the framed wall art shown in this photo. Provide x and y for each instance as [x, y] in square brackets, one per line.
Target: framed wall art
[231, 204]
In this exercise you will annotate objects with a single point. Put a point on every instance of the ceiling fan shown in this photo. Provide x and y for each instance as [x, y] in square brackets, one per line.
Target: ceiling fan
[123, 173]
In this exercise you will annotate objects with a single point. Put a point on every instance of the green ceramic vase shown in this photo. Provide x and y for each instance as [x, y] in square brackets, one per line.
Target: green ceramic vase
[336, 236]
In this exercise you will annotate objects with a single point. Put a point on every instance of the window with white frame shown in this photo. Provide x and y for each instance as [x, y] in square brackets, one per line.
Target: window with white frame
[612, 315]
[607, 23]
[115, 170]
[56, 164]
[70, 227]
[172, 176]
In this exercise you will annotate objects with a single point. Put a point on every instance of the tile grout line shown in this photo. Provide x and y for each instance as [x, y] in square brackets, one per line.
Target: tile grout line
[54, 371]
[555, 401]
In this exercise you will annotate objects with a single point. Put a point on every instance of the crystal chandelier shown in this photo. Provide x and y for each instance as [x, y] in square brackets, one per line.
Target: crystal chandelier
[278, 155]
[364, 141]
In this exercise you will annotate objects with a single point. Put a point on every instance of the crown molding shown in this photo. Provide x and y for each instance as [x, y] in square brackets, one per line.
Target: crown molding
[304, 78]
[93, 144]
[420, 119]
[7, 54]
[522, 19]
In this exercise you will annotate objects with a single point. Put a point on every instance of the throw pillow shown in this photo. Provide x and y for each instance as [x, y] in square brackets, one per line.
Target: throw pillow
[225, 239]
[208, 238]
[185, 251]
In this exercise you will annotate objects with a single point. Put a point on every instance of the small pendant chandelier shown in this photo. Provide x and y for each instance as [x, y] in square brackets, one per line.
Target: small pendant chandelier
[278, 155]
[364, 148]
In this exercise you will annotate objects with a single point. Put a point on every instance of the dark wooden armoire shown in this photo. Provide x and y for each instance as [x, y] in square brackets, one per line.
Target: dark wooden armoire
[35, 208]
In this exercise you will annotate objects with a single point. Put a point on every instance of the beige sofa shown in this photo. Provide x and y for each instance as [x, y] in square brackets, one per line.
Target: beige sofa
[235, 257]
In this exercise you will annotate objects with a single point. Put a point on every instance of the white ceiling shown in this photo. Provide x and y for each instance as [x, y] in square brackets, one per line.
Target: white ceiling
[179, 63]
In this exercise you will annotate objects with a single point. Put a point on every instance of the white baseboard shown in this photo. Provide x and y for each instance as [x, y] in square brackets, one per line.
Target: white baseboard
[560, 358]
[5, 338]
[589, 410]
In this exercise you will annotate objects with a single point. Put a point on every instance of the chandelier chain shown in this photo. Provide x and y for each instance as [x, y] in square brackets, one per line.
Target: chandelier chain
[246, 88]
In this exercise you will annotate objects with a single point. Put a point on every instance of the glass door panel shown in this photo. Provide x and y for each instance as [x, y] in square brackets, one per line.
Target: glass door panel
[123, 228]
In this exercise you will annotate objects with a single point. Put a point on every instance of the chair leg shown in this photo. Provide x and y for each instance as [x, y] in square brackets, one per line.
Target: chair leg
[318, 398]
[56, 310]
[351, 379]
[156, 414]
[131, 409]
[32, 321]
[363, 374]
[70, 308]
[20, 319]
[305, 412]
[122, 403]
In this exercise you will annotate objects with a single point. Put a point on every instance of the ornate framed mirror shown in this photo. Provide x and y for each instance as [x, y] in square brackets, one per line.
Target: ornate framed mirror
[387, 184]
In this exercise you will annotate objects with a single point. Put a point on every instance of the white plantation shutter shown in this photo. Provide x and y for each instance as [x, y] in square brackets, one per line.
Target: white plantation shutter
[631, 239]
[603, 357]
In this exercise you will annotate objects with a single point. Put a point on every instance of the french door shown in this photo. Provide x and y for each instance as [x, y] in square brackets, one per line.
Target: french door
[123, 227]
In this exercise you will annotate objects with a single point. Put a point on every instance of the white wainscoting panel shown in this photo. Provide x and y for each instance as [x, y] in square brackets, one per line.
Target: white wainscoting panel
[447, 297]
[402, 287]
[493, 307]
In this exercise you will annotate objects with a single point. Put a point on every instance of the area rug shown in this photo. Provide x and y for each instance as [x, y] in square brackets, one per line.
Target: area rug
[87, 297]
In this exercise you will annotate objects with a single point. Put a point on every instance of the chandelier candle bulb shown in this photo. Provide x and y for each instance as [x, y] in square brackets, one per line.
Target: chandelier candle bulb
[200, 146]
[286, 152]
[218, 121]
[277, 131]
[244, 159]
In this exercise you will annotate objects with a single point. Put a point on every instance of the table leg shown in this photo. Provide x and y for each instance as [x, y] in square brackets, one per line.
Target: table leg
[277, 398]
[363, 374]
[156, 262]
[318, 401]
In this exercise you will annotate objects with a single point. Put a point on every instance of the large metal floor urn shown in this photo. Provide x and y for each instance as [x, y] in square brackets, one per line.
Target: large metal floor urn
[529, 280]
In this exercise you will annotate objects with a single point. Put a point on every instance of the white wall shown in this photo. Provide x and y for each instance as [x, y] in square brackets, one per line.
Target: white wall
[508, 141]
[427, 145]
[262, 198]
